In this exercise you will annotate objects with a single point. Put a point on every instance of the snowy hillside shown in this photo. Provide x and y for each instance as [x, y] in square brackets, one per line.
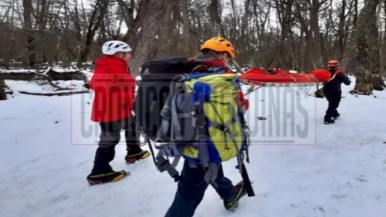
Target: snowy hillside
[300, 167]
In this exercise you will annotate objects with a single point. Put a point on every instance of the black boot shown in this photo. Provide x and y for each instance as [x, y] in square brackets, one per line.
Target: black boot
[135, 153]
[132, 158]
[328, 120]
[336, 116]
[233, 203]
[106, 177]
[103, 157]
[102, 171]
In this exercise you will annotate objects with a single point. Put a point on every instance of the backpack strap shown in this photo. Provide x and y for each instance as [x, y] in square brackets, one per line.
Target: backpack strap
[242, 169]
[170, 149]
[211, 173]
[203, 151]
[175, 116]
[163, 164]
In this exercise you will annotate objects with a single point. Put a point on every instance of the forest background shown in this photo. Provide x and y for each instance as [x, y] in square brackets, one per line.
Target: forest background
[288, 34]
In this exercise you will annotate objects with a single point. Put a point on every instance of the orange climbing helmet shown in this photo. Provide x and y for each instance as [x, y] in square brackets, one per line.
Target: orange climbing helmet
[220, 45]
[333, 63]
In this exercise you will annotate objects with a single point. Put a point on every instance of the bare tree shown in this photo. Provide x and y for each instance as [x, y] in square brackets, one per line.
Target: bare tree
[152, 17]
[372, 36]
[342, 32]
[308, 15]
[186, 26]
[35, 20]
[29, 33]
[365, 46]
[383, 53]
[6, 32]
[254, 52]
[215, 17]
[94, 22]
[300, 34]
[128, 11]
[286, 21]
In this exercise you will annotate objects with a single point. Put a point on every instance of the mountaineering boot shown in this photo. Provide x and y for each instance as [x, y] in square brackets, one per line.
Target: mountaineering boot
[132, 158]
[335, 116]
[328, 120]
[233, 203]
[331, 121]
[112, 176]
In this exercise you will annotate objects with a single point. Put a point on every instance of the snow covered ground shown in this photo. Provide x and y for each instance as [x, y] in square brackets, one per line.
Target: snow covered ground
[48, 144]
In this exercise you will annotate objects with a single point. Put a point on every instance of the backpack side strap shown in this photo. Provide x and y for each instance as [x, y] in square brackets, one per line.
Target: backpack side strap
[163, 164]
[240, 160]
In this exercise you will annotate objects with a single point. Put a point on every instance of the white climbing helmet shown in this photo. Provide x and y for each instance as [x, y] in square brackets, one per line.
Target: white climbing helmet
[112, 47]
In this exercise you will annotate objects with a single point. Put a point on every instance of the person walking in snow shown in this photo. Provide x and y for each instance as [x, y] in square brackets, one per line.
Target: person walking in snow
[218, 52]
[333, 91]
[114, 90]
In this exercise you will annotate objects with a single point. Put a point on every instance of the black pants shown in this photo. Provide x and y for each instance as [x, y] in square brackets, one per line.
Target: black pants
[333, 98]
[191, 190]
[109, 138]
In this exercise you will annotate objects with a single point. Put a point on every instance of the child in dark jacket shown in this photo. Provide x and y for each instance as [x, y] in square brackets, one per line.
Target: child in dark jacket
[333, 91]
[114, 90]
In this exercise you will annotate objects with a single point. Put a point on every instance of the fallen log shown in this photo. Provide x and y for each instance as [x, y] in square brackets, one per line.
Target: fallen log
[30, 74]
[54, 94]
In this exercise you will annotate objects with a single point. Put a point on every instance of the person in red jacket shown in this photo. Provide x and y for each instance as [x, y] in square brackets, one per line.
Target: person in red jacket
[114, 90]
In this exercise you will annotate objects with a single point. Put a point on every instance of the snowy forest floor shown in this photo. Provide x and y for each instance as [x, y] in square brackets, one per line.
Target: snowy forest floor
[339, 170]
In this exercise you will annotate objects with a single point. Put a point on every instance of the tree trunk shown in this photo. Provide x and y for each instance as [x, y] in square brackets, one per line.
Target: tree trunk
[128, 15]
[187, 41]
[366, 46]
[149, 25]
[95, 21]
[285, 15]
[377, 82]
[315, 46]
[341, 30]
[374, 53]
[29, 32]
[215, 18]
[383, 52]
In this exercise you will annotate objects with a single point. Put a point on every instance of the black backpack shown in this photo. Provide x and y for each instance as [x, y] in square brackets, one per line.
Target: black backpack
[153, 91]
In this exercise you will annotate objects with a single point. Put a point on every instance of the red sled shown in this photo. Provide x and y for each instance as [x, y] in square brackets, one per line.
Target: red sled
[258, 76]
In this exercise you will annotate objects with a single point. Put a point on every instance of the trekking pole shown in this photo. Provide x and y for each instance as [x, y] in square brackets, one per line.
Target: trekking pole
[252, 89]
[247, 181]
[150, 146]
[238, 67]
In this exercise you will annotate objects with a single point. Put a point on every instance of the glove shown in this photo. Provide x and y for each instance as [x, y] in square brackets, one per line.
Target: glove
[86, 85]
[339, 72]
[242, 101]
